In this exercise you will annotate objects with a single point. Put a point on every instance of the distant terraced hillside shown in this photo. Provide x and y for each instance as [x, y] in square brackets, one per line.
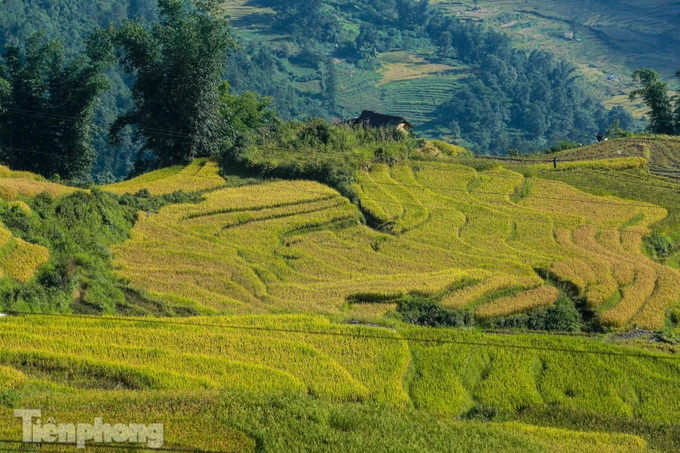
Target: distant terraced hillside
[613, 38]
[472, 239]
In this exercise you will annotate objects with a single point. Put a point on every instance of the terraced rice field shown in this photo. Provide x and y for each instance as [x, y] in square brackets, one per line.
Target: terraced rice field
[418, 98]
[300, 367]
[400, 66]
[612, 37]
[444, 230]
[15, 184]
[18, 259]
[201, 175]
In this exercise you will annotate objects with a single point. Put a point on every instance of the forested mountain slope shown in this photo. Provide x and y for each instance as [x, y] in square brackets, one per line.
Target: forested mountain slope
[450, 75]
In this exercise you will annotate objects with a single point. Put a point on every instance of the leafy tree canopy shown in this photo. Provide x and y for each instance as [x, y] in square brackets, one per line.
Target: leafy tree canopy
[177, 66]
[654, 93]
[48, 103]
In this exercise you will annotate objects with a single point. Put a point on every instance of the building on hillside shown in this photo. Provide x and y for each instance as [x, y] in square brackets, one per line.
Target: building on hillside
[373, 119]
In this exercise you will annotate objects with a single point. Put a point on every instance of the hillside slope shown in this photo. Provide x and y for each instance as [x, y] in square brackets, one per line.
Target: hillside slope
[304, 350]
[612, 40]
[662, 153]
[19, 259]
[612, 37]
[464, 237]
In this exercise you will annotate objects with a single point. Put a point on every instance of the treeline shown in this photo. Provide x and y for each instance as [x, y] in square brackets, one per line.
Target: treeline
[515, 99]
[180, 107]
[71, 22]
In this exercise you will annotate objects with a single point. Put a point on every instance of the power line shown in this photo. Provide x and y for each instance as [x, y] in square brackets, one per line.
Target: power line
[14, 148]
[350, 335]
[416, 162]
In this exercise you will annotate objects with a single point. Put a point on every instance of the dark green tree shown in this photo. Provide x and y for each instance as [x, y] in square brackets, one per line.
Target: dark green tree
[412, 14]
[244, 113]
[654, 93]
[46, 122]
[177, 66]
[307, 20]
[329, 85]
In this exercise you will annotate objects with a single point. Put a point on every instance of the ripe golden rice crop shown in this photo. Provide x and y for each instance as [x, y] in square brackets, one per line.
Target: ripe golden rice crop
[11, 378]
[5, 172]
[465, 296]
[540, 297]
[10, 188]
[340, 368]
[21, 262]
[622, 163]
[26, 209]
[602, 212]
[376, 200]
[5, 237]
[666, 294]
[299, 245]
[564, 441]
[633, 298]
[199, 176]
[576, 272]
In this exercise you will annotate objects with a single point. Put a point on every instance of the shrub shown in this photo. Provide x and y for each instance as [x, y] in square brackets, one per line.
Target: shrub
[431, 314]
[562, 145]
[562, 316]
[658, 245]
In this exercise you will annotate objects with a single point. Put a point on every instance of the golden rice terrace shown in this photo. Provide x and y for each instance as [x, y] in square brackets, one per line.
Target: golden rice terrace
[491, 242]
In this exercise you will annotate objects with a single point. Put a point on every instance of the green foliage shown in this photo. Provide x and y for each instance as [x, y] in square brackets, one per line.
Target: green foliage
[243, 113]
[307, 20]
[317, 73]
[78, 230]
[654, 93]
[46, 122]
[72, 22]
[177, 65]
[658, 245]
[561, 146]
[562, 316]
[616, 131]
[431, 314]
[316, 150]
[521, 191]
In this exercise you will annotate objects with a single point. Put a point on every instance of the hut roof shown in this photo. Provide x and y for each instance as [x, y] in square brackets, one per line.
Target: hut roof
[374, 119]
